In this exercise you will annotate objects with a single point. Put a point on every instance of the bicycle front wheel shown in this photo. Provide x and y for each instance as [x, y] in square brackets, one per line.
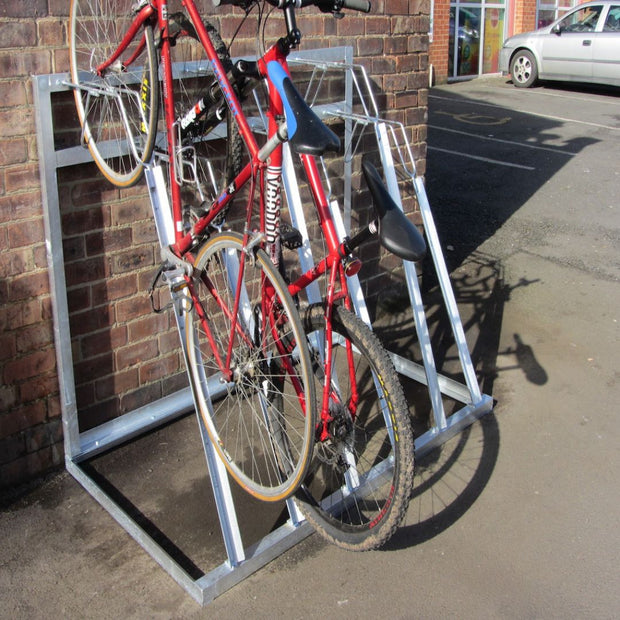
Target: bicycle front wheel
[118, 110]
[259, 410]
[359, 483]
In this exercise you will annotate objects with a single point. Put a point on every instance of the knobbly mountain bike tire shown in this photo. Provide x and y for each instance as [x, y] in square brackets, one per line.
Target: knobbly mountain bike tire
[125, 107]
[374, 454]
[259, 428]
[217, 145]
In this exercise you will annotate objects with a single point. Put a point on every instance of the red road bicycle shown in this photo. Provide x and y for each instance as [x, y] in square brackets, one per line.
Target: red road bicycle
[297, 398]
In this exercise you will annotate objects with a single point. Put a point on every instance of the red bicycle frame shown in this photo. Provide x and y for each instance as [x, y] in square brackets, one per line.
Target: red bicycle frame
[266, 165]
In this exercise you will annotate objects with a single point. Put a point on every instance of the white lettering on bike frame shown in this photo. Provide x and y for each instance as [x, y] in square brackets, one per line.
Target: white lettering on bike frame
[273, 200]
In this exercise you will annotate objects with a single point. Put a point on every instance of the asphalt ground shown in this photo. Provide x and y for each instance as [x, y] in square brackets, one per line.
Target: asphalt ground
[516, 517]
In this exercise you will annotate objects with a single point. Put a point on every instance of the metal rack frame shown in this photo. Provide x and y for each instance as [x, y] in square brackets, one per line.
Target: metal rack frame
[81, 446]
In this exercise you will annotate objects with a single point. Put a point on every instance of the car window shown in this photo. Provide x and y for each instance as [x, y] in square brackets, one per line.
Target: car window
[584, 20]
[612, 23]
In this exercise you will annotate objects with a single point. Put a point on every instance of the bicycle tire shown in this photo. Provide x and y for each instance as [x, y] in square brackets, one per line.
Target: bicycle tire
[260, 428]
[212, 144]
[361, 479]
[118, 111]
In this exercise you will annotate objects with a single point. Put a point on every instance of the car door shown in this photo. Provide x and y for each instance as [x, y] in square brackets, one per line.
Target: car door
[568, 48]
[606, 49]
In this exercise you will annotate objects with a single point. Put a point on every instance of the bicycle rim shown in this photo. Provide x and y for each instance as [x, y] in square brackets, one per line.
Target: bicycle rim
[261, 417]
[360, 480]
[211, 148]
[118, 111]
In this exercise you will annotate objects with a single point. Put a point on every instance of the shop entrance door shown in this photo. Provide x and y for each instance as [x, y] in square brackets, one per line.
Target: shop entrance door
[476, 36]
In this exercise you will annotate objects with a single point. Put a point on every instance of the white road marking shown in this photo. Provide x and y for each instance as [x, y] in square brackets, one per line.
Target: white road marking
[511, 142]
[486, 159]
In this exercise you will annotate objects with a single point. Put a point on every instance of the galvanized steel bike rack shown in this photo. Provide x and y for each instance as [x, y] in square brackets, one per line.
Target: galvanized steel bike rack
[81, 446]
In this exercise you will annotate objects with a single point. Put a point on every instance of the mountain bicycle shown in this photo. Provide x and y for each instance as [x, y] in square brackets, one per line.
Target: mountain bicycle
[298, 399]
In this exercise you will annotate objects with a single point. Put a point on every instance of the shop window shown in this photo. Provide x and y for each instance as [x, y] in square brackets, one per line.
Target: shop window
[547, 12]
[476, 36]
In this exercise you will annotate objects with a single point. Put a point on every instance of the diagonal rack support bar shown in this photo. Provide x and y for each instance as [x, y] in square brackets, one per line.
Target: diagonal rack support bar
[397, 159]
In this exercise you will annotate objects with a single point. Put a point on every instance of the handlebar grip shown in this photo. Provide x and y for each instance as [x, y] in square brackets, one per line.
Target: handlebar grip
[357, 5]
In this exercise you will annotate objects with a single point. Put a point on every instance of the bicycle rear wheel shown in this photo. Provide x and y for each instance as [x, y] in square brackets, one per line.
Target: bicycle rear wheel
[118, 111]
[260, 413]
[211, 147]
[360, 480]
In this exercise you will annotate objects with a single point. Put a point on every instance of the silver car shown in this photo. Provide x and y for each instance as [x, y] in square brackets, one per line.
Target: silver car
[582, 46]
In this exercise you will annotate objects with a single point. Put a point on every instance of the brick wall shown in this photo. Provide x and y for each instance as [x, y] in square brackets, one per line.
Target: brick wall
[524, 16]
[124, 354]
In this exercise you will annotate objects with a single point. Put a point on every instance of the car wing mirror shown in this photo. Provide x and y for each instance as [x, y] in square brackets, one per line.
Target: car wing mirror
[557, 29]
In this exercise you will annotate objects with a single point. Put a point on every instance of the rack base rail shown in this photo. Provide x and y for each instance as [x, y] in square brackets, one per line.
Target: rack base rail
[80, 446]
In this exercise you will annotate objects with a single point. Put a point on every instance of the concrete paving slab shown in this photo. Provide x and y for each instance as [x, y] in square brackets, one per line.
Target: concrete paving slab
[515, 517]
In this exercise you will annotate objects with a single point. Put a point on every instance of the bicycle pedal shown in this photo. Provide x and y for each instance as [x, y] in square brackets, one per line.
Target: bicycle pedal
[290, 237]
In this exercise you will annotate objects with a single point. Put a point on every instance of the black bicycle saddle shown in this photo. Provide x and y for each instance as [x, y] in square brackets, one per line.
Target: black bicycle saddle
[307, 134]
[396, 232]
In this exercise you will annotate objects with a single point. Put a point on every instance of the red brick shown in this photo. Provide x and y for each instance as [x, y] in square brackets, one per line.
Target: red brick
[169, 341]
[144, 232]
[20, 206]
[43, 436]
[78, 223]
[91, 320]
[8, 345]
[130, 211]
[15, 262]
[19, 178]
[148, 327]
[94, 368]
[351, 26]
[34, 337]
[18, 34]
[397, 7]
[53, 32]
[86, 271]
[133, 308]
[25, 64]
[29, 285]
[140, 398]
[370, 46]
[79, 299]
[396, 45]
[8, 398]
[12, 95]
[29, 366]
[377, 25]
[91, 193]
[59, 8]
[159, 368]
[133, 258]
[118, 383]
[26, 233]
[74, 248]
[24, 8]
[136, 353]
[22, 314]
[41, 386]
[103, 342]
[174, 383]
[108, 240]
[114, 288]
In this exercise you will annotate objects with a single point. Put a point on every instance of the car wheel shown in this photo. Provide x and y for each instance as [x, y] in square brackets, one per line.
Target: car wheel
[523, 69]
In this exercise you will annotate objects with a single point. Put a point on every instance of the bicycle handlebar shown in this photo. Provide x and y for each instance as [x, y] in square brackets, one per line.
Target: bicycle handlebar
[325, 6]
